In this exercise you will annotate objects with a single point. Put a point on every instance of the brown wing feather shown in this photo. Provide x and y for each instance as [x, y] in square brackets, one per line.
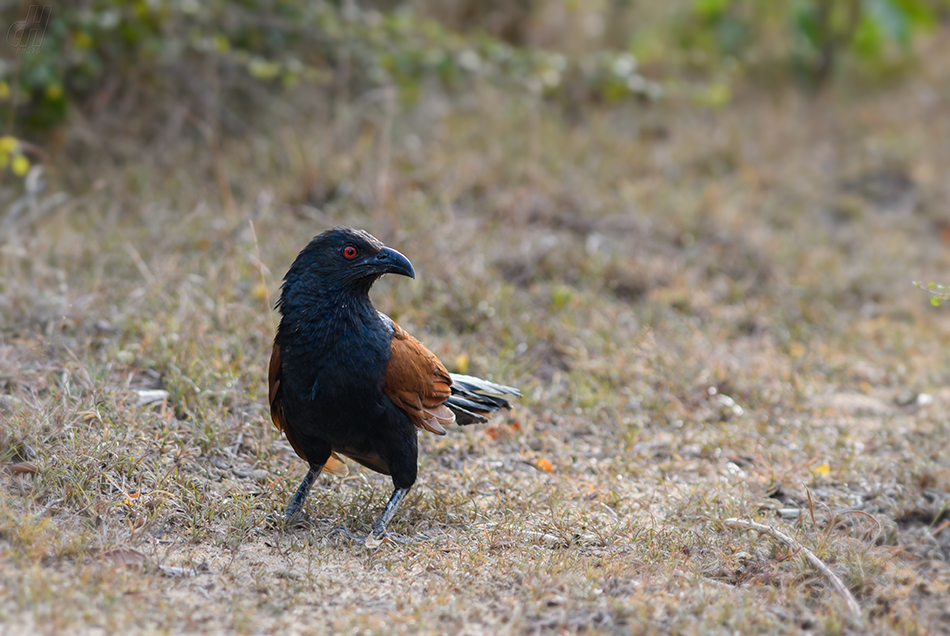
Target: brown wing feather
[334, 464]
[417, 383]
[277, 402]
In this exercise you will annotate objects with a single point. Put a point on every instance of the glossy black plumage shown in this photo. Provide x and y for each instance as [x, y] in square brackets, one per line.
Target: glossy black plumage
[346, 380]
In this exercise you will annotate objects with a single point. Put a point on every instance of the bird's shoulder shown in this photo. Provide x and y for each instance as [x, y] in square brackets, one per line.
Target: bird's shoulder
[417, 382]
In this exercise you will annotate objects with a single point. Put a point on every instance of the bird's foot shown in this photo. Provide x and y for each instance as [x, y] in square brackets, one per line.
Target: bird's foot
[298, 520]
[284, 520]
[374, 540]
[346, 533]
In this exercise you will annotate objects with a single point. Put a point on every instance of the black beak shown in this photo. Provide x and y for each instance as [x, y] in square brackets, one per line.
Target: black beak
[389, 261]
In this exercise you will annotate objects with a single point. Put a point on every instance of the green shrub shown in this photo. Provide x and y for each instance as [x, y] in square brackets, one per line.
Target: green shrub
[96, 51]
[810, 38]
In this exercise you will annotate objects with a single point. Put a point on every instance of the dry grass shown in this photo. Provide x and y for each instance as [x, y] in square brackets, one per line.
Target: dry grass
[710, 315]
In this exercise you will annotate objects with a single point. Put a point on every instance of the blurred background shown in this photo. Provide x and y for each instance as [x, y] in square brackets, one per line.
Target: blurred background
[155, 69]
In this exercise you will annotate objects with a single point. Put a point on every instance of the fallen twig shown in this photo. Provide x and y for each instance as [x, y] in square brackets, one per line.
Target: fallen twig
[809, 555]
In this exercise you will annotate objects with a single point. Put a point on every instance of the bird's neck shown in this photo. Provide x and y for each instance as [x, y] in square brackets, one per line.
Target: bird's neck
[330, 317]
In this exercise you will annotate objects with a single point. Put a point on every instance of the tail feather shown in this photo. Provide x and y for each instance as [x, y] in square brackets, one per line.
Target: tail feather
[473, 399]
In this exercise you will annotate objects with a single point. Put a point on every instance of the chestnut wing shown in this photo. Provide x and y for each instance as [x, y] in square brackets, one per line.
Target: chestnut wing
[418, 383]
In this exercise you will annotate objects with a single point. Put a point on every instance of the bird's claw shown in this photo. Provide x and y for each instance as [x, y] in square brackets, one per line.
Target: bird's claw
[283, 520]
[346, 533]
[373, 540]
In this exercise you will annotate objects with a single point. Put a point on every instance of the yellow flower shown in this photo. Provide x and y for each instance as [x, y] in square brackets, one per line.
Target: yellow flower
[8, 145]
[83, 40]
[20, 166]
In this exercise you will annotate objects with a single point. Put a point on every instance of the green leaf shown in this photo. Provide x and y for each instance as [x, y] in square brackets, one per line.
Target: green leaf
[869, 38]
[805, 25]
[263, 69]
[710, 8]
[891, 18]
[934, 301]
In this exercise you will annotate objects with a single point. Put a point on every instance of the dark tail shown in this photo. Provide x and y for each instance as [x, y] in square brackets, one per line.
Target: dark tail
[473, 399]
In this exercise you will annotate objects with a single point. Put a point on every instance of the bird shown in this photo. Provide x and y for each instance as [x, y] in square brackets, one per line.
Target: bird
[346, 381]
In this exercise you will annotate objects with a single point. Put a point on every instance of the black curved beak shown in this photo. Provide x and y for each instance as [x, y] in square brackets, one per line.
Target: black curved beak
[389, 261]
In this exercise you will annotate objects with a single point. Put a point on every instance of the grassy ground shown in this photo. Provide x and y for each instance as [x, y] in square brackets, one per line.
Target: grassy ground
[710, 315]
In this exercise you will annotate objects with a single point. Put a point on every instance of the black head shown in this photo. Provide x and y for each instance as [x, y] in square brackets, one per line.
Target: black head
[342, 260]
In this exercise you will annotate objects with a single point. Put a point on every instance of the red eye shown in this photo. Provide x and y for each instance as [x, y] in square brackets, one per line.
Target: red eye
[349, 251]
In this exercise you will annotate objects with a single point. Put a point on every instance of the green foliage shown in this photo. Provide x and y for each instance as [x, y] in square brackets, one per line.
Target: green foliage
[938, 293]
[809, 37]
[95, 49]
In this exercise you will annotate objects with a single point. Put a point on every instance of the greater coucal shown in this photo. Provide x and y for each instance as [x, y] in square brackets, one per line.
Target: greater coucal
[347, 380]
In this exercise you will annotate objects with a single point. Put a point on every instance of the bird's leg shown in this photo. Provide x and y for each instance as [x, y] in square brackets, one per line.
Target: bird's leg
[296, 502]
[379, 528]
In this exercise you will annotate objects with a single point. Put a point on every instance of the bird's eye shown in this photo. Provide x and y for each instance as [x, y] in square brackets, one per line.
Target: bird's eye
[349, 251]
